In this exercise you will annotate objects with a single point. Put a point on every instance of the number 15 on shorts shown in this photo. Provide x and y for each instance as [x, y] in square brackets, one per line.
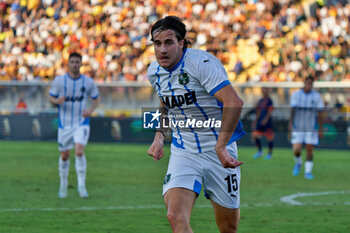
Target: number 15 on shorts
[232, 184]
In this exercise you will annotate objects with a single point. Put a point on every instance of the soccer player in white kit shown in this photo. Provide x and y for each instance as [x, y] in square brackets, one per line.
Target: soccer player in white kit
[193, 84]
[70, 93]
[306, 116]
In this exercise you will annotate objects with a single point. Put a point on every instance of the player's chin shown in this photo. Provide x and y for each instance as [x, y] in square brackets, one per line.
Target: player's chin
[164, 63]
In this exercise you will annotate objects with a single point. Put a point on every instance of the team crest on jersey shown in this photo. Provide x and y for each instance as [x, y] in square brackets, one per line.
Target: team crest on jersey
[167, 178]
[183, 78]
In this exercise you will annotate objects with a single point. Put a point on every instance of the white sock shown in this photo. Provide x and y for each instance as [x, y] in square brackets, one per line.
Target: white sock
[298, 160]
[308, 166]
[63, 171]
[80, 167]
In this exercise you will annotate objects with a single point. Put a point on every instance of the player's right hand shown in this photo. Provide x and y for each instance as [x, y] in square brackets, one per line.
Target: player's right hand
[156, 149]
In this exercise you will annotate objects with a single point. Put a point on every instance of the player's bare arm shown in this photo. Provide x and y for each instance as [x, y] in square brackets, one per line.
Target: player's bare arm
[58, 100]
[320, 123]
[258, 112]
[156, 149]
[267, 117]
[89, 111]
[290, 123]
[232, 108]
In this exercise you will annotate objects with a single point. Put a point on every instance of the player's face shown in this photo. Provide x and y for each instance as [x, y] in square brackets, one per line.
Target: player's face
[167, 48]
[308, 85]
[265, 91]
[74, 65]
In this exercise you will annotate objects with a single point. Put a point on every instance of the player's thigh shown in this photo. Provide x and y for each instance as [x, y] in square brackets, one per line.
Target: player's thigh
[227, 220]
[81, 134]
[297, 147]
[182, 184]
[179, 203]
[79, 149]
[65, 139]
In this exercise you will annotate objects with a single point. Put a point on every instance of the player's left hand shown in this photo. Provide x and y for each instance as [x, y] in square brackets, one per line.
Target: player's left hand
[86, 113]
[225, 158]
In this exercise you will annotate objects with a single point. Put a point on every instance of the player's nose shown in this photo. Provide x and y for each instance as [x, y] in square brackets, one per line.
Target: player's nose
[162, 49]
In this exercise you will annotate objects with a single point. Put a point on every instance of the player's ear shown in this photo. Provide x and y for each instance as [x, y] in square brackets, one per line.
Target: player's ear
[182, 43]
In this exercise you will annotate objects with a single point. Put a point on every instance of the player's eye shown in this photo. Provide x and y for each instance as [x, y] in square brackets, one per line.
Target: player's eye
[169, 42]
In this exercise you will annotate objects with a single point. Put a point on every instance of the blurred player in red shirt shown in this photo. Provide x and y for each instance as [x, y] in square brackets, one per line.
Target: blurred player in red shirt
[262, 125]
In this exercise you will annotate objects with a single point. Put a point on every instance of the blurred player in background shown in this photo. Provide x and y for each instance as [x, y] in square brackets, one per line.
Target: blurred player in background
[262, 124]
[194, 83]
[306, 115]
[70, 93]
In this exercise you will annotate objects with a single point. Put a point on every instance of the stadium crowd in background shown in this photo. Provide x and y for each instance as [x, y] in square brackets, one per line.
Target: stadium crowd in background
[284, 39]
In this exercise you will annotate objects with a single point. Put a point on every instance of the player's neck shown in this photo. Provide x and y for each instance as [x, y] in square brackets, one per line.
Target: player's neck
[74, 75]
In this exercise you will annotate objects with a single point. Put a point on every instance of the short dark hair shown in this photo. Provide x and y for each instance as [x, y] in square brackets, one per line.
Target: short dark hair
[310, 77]
[75, 54]
[172, 23]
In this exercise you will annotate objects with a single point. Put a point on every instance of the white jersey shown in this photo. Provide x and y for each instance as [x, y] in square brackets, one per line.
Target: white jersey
[187, 92]
[76, 92]
[307, 106]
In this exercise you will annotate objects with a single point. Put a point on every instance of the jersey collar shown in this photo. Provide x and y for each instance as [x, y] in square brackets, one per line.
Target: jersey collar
[74, 79]
[302, 89]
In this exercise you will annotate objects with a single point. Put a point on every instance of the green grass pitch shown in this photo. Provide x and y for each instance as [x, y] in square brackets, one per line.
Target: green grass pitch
[125, 192]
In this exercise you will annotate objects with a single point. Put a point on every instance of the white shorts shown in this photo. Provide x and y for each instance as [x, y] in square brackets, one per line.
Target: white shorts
[310, 138]
[194, 170]
[68, 137]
